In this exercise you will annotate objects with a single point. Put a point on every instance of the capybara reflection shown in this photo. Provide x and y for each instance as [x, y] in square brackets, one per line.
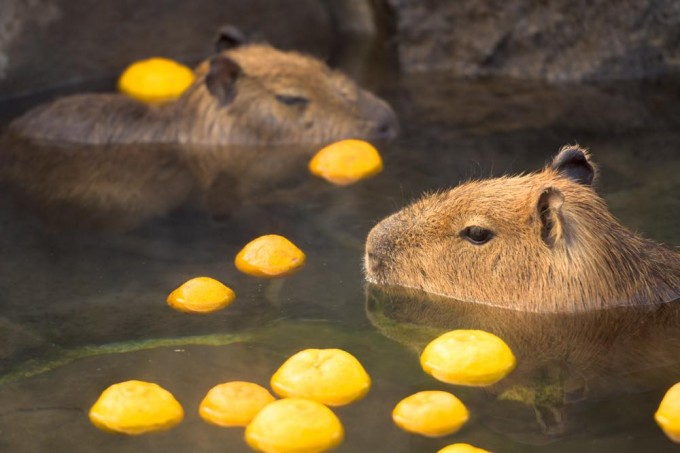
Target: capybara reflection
[572, 368]
[252, 94]
[541, 242]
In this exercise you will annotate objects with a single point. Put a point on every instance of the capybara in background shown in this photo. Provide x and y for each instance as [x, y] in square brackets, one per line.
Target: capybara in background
[108, 160]
[540, 242]
[250, 94]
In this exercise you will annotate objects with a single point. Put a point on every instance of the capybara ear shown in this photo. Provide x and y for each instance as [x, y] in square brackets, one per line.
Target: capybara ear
[229, 37]
[549, 209]
[574, 162]
[221, 78]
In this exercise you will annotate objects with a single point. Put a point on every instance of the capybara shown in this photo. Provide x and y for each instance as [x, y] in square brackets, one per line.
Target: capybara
[250, 94]
[541, 242]
[107, 160]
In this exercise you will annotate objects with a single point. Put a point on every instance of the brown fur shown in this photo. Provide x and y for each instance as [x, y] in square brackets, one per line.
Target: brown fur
[555, 246]
[242, 108]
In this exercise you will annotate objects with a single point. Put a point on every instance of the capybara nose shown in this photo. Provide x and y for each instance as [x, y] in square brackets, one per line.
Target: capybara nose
[378, 247]
[387, 126]
[377, 262]
[374, 263]
[380, 116]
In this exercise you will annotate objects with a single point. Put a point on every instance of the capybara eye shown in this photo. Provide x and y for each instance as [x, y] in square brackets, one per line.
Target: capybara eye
[476, 234]
[292, 100]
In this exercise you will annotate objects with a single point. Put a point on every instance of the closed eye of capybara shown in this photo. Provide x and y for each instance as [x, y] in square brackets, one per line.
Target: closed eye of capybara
[541, 242]
[250, 94]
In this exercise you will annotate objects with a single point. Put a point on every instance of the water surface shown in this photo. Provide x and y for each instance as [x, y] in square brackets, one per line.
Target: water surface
[82, 308]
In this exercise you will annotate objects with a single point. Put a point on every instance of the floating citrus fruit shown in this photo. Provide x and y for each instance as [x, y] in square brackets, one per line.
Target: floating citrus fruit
[270, 256]
[136, 407]
[432, 413]
[155, 80]
[294, 425]
[346, 162]
[234, 403]
[468, 357]
[329, 376]
[668, 414]
[201, 295]
[461, 448]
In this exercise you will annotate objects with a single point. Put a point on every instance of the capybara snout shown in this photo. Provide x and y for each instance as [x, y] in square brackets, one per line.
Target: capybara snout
[384, 123]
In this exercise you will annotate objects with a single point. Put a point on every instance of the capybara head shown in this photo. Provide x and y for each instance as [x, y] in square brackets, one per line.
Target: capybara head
[255, 94]
[542, 242]
[250, 94]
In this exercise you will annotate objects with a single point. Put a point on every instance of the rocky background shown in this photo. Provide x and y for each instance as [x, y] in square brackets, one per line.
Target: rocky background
[555, 40]
[55, 44]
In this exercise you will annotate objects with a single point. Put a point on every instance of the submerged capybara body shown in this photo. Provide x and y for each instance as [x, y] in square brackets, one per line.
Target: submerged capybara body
[247, 95]
[542, 242]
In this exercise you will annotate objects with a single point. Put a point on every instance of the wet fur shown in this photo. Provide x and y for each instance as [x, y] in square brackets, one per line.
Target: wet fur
[556, 247]
[243, 110]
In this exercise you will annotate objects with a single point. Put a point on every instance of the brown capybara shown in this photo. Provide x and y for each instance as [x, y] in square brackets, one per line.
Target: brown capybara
[541, 242]
[109, 161]
[245, 95]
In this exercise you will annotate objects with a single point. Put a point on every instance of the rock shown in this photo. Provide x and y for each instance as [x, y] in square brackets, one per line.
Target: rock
[560, 40]
[46, 44]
